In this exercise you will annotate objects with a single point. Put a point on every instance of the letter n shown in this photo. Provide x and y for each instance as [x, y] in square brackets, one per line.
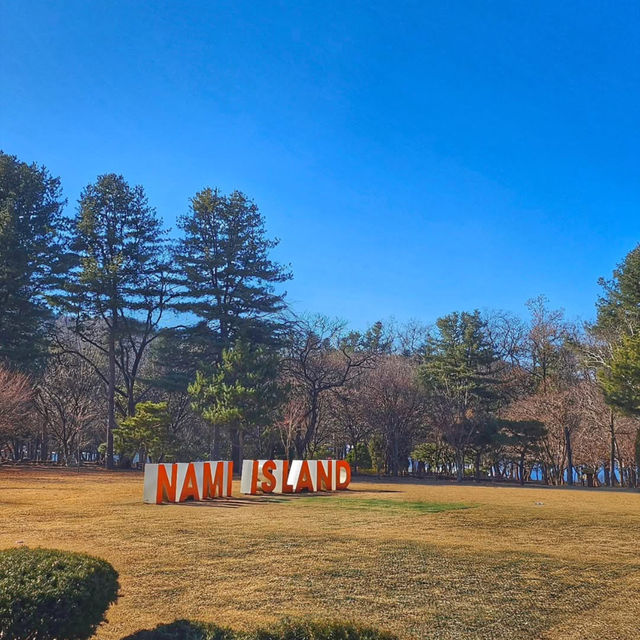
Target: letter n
[325, 477]
[166, 490]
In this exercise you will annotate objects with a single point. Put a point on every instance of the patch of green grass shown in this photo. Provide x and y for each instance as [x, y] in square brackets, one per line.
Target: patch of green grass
[377, 503]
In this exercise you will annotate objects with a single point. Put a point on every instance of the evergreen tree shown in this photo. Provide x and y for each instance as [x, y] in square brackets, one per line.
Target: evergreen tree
[147, 433]
[619, 306]
[618, 330]
[620, 379]
[523, 437]
[457, 374]
[377, 339]
[243, 393]
[32, 258]
[119, 290]
[377, 450]
[359, 457]
[226, 277]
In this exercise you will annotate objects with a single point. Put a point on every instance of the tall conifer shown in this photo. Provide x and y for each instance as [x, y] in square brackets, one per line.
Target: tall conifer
[32, 258]
[227, 279]
[118, 291]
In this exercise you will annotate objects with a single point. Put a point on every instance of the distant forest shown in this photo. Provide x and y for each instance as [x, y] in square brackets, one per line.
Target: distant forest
[120, 344]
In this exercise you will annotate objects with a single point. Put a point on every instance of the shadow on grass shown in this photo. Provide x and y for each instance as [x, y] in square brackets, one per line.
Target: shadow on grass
[229, 503]
[253, 501]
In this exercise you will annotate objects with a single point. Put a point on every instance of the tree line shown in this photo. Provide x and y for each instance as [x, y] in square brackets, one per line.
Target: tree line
[121, 342]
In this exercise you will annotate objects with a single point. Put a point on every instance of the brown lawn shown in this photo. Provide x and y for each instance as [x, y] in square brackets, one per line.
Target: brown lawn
[517, 563]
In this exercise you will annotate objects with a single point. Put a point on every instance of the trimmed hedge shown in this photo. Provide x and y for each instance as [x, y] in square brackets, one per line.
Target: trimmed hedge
[184, 630]
[47, 594]
[300, 630]
[305, 630]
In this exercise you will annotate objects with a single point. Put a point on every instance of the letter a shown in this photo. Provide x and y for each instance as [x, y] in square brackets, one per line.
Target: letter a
[190, 485]
[305, 481]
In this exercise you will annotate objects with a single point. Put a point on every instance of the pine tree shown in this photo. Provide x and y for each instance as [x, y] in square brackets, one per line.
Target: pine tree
[119, 290]
[147, 433]
[619, 306]
[618, 330]
[620, 380]
[457, 375]
[33, 257]
[243, 393]
[226, 276]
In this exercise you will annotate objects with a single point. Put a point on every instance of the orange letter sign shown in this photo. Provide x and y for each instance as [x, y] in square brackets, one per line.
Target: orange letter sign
[166, 490]
[340, 466]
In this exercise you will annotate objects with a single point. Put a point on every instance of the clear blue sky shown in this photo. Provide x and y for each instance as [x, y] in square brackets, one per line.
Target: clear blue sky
[413, 157]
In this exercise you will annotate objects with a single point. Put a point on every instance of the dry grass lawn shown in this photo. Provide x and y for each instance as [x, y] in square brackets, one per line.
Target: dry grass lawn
[516, 563]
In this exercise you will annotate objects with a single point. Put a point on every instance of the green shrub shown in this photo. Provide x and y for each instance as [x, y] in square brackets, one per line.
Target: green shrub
[304, 630]
[53, 595]
[363, 458]
[186, 630]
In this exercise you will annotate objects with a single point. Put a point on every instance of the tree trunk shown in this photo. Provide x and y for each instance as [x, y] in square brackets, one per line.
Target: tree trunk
[459, 464]
[637, 452]
[44, 448]
[612, 463]
[215, 445]
[567, 437]
[395, 454]
[131, 404]
[236, 448]
[607, 475]
[111, 391]
[521, 468]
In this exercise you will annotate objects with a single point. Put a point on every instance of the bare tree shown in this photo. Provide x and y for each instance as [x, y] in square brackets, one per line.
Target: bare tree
[411, 338]
[552, 365]
[68, 402]
[319, 359]
[394, 407]
[16, 394]
[347, 409]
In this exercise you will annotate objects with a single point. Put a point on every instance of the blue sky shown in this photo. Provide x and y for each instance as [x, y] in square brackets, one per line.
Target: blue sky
[414, 158]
